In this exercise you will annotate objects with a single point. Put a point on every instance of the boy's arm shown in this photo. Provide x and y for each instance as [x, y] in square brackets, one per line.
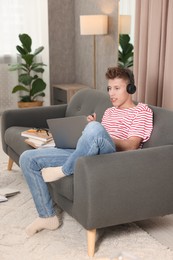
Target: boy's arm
[131, 143]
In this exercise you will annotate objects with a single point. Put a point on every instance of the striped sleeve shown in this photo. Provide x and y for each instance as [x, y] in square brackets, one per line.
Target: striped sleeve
[142, 125]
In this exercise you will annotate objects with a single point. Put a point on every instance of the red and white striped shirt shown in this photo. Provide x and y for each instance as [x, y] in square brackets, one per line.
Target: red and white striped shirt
[125, 123]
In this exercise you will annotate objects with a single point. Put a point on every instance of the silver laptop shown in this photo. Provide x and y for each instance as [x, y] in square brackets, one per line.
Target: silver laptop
[66, 131]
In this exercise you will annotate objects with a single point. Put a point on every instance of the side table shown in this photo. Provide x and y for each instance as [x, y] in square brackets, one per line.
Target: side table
[62, 93]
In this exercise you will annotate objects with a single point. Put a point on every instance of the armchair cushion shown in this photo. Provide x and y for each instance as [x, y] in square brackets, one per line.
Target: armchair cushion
[14, 139]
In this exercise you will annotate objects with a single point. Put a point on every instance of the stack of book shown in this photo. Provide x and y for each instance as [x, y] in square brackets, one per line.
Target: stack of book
[38, 137]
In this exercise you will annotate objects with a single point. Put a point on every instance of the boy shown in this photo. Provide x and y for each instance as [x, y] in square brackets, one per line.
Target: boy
[125, 126]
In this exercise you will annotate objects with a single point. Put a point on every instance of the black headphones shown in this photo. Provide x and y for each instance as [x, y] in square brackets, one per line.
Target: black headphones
[131, 88]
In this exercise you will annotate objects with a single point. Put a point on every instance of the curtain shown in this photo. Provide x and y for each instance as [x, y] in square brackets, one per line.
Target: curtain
[153, 52]
[167, 100]
[17, 17]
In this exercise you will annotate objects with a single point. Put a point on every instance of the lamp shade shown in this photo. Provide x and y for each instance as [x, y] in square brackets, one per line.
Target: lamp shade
[93, 24]
[124, 24]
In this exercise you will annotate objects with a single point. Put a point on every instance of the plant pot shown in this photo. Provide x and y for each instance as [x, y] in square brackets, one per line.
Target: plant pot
[30, 104]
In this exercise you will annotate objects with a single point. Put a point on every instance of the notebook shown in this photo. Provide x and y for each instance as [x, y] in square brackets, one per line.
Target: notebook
[66, 131]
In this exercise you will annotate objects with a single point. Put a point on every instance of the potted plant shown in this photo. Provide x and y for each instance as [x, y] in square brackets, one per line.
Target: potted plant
[125, 52]
[30, 85]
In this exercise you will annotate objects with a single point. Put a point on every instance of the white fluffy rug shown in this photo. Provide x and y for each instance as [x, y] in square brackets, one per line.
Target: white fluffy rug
[69, 241]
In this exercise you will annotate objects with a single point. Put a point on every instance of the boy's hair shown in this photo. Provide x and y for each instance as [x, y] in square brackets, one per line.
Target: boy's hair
[122, 73]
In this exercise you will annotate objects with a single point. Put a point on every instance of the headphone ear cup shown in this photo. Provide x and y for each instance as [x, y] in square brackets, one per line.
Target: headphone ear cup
[131, 89]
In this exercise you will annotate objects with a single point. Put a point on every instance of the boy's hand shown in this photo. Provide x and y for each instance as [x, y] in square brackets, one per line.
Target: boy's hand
[91, 117]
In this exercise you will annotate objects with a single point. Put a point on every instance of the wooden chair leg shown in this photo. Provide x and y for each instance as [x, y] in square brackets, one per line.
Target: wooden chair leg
[10, 164]
[91, 235]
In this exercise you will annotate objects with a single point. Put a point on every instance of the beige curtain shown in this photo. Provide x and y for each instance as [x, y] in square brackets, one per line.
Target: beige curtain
[154, 52]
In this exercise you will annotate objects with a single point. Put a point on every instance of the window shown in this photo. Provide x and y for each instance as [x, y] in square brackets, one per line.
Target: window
[20, 16]
[127, 7]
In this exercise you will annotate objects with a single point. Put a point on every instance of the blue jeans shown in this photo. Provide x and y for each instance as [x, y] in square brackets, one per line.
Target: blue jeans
[94, 140]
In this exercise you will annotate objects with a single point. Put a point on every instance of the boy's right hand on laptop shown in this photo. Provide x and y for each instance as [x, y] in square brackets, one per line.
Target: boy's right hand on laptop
[91, 117]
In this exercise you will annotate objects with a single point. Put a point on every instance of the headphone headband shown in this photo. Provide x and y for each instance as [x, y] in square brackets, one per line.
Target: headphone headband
[130, 76]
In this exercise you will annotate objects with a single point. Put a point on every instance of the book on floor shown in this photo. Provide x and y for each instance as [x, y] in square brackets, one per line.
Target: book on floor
[6, 192]
[3, 198]
[38, 134]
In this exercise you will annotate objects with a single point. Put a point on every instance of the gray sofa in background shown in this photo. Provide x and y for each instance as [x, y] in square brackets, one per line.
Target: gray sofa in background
[108, 189]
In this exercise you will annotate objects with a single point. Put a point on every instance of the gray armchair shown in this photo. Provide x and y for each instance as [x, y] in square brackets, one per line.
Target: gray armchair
[108, 189]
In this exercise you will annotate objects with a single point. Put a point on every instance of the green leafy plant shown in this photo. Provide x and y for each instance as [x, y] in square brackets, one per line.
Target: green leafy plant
[125, 52]
[29, 82]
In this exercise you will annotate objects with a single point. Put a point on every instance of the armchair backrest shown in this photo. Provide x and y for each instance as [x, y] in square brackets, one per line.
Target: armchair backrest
[88, 101]
[162, 133]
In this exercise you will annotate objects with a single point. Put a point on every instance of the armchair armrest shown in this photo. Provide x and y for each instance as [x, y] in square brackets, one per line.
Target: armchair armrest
[30, 117]
[123, 187]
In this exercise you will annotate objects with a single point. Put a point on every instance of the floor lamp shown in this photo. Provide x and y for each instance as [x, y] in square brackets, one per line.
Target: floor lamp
[94, 25]
[124, 24]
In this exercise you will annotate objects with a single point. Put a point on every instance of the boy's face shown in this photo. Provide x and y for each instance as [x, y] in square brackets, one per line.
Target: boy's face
[119, 96]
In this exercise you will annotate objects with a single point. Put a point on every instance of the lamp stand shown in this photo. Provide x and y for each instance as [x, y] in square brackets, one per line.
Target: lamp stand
[94, 59]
